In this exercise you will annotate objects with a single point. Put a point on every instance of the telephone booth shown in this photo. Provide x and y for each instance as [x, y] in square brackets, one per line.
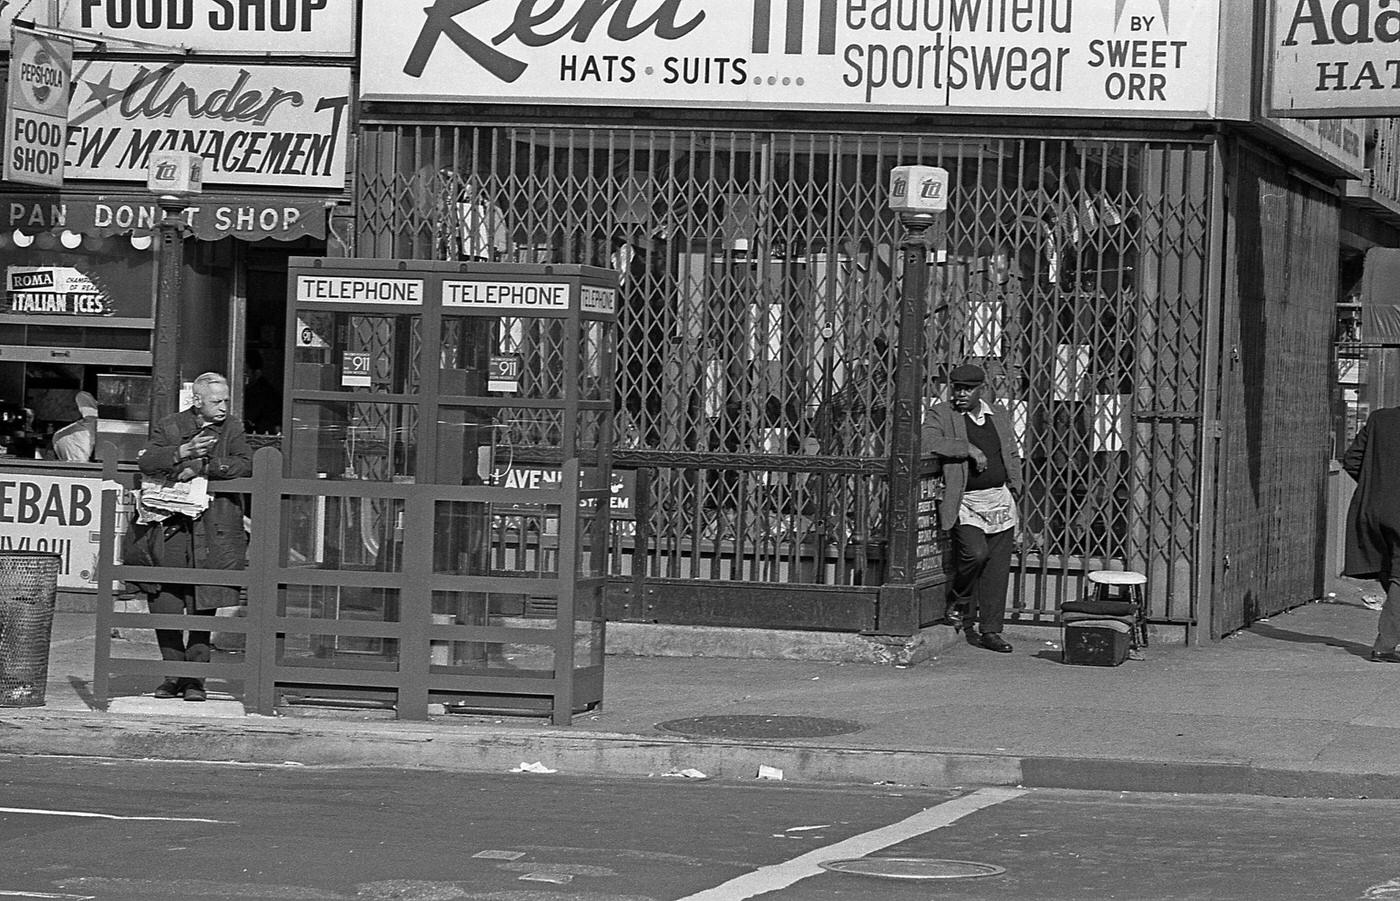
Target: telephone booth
[460, 418]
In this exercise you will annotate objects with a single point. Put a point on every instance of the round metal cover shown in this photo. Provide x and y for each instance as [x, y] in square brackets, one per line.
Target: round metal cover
[912, 868]
[757, 726]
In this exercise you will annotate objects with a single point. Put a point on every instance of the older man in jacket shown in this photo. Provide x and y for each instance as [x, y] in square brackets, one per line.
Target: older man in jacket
[200, 441]
[982, 476]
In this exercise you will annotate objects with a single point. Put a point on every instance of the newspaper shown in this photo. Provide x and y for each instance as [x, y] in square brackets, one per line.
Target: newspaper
[157, 500]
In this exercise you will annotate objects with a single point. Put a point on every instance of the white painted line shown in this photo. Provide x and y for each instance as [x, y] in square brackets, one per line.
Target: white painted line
[5, 894]
[102, 816]
[781, 875]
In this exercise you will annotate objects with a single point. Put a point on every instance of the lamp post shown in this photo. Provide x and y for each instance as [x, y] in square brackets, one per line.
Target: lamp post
[918, 195]
[170, 278]
[172, 175]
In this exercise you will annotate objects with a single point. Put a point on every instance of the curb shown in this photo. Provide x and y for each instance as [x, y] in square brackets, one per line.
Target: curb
[276, 741]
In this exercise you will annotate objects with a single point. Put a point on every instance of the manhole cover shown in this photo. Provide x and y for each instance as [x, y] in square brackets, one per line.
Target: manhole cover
[912, 868]
[748, 726]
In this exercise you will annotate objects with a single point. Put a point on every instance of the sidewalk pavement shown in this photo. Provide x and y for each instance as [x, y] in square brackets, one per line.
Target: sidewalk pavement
[1289, 707]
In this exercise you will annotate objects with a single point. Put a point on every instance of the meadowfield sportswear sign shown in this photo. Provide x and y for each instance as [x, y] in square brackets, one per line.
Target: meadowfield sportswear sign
[1106, 57]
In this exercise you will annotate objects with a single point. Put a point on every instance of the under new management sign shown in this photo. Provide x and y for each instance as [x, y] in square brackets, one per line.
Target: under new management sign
[1103, 57]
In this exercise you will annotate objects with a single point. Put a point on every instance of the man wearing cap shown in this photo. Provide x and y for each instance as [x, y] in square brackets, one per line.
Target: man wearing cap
[74, 442]
[981, 476]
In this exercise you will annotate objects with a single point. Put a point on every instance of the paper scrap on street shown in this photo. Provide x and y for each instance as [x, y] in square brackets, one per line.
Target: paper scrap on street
[499, 855]
[769, 772]
[555, 878]
[687, 773]
[535, 767]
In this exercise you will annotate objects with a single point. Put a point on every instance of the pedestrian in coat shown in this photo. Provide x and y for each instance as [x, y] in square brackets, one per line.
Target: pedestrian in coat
[1373, 520]
[200, 441]
[974, 441]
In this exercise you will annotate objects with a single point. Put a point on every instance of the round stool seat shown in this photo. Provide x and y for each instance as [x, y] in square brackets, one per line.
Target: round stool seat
[1117, 577]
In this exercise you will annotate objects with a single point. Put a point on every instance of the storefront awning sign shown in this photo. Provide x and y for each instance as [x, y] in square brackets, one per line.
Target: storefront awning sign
[209, 217]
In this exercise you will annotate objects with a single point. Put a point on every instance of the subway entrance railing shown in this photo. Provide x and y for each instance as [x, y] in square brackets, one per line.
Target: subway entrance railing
[429, 620]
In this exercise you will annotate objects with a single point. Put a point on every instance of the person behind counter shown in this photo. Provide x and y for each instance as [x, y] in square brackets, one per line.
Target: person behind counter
[74, 443]
[200, 441]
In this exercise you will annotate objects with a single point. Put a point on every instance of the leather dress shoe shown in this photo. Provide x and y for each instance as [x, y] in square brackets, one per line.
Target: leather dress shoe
[195, 692]
[1385, 657]
[168, 689]
[993, 641]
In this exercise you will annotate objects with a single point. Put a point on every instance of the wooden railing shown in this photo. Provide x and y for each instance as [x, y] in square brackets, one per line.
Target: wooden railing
[418, 658]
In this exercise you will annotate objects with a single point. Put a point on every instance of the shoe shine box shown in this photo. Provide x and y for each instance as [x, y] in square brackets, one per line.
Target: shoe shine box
[1097, 642]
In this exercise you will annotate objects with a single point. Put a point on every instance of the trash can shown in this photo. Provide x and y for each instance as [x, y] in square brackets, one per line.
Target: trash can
[28, 587]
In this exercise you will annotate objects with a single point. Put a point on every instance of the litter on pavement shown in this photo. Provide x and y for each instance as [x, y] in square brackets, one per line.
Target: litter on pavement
[535, 767]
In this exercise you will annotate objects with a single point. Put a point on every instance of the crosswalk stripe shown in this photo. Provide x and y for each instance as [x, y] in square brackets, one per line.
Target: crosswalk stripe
[781, 875]
[101, 816]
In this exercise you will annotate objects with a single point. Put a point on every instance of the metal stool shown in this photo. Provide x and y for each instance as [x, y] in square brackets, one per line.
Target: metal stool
[1114, 595]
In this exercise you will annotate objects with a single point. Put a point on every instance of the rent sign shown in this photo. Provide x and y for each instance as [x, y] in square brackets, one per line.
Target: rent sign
[269, 126]
[1126, 57]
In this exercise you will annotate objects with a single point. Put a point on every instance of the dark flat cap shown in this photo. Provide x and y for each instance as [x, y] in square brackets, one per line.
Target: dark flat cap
[967, 374]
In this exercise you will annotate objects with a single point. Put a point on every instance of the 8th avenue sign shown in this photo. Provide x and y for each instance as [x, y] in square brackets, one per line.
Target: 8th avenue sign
[1334, 59]
[36, 119]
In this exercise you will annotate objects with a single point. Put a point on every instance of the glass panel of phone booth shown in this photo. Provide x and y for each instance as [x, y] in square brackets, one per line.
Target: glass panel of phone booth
[393, 343]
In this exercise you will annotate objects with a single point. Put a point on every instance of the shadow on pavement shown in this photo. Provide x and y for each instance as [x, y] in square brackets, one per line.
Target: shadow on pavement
[1265, 630]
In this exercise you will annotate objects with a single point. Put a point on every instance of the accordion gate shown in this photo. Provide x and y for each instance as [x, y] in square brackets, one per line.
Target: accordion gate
[757, 323]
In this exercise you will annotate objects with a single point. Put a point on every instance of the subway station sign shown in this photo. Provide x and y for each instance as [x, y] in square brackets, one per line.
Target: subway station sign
[1139, 58]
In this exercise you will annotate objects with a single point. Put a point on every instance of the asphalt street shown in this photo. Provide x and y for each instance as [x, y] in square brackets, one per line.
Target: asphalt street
[124, 830]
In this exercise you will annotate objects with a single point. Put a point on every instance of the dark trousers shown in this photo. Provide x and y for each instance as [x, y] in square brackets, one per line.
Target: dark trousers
[173, 643]
[1388, 628]
[981, 573]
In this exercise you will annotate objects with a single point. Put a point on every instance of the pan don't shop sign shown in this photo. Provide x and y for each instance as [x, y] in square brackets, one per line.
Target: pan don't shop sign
[1127, 57]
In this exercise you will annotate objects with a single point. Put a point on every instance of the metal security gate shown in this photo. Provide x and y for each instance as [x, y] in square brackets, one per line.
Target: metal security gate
[757, 324]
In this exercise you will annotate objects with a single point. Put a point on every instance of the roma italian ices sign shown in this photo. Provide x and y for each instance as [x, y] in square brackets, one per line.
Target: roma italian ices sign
[1106, 57]
[1334, 58]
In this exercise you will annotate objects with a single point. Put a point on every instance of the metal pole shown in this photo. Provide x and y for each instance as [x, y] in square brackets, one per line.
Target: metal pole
[165, 349]
[898, 597]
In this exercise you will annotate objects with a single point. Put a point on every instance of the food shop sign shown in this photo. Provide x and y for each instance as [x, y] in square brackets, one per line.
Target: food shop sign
[1153, 58]
[36, 114]
[293, 27]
